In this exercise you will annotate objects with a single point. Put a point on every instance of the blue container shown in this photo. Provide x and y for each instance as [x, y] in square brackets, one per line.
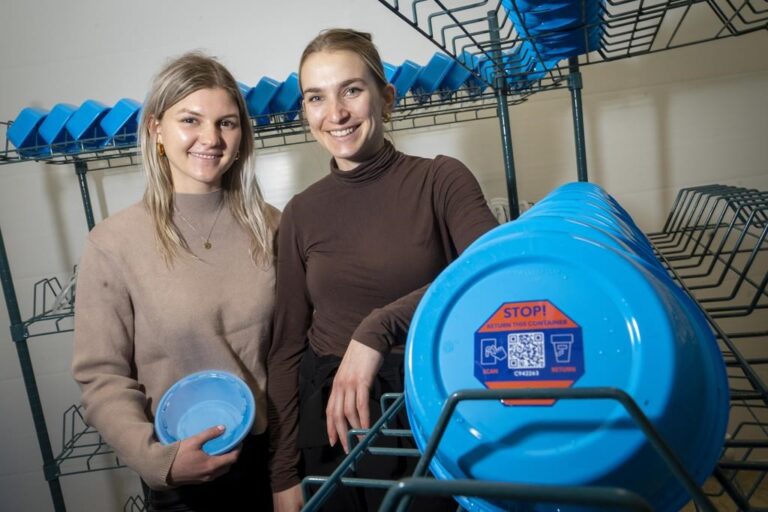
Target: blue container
[122, 122]
[23, 133]
[203, 400]
[521, 67]
[597, 218]
[390, 71]
[456, 78]
[287, 98]
[557, 30]
[474, 85]
[53, 129]
[244, 89]
[259, 98]
[431, 76]
[405, 78]
[84, 126]
[546, 302]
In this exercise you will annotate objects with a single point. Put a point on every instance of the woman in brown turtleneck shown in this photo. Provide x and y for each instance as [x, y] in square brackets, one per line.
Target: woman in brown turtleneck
[179, 283]
[356, 251]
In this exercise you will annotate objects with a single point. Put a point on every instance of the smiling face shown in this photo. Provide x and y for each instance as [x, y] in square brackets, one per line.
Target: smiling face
[201, 135]
[344, 106]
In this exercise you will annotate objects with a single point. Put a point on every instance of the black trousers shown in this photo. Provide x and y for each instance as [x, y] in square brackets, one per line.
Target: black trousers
[319, 458]
[244, 487]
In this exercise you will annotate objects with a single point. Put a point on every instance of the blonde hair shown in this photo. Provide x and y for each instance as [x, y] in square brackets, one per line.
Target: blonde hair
[179, 78]
[360, 43]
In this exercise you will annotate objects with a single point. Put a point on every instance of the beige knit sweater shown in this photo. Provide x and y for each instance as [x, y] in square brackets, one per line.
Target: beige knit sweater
[140, 325]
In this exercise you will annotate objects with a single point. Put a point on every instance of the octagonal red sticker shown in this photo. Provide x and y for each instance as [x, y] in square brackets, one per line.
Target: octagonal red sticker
[531, 344]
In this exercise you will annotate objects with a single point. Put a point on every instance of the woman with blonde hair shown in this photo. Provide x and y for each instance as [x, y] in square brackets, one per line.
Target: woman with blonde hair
[180, 282]
[357, 250]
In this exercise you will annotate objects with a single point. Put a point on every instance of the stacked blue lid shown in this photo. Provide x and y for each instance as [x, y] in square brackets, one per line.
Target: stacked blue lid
[568, 295]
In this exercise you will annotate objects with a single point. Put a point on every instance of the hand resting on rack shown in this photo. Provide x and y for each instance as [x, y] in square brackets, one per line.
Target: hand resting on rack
[348, 403]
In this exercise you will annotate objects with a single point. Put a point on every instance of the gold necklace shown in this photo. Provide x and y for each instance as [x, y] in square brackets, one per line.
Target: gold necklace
[206, 240]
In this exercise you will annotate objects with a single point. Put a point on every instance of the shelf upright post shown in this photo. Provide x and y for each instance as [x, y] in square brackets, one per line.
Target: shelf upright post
[19, 336]
[81, 169]
[575, 86]
[500, 89]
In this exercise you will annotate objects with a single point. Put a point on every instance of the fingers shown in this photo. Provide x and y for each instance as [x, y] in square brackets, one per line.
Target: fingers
[347, 408]
[206, 435]
[348, 403]
[350, 407]
[329, 420]
[336, 423]
[363, 410]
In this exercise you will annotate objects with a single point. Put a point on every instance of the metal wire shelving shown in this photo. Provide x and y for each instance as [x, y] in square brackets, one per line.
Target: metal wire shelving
[497, 31]
[714, 242]
[627, 28]
[410, 113]
[693, 241]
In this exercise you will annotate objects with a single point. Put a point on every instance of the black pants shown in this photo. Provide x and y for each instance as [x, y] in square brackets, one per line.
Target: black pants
[319, 458]
[244, 487]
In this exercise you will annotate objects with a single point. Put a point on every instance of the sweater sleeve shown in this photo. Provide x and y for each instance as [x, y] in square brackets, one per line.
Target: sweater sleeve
[293, 315]
[114, 401]
[462, 216]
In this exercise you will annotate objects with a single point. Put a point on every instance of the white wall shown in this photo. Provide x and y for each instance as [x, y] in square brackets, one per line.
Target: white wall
[654, 124]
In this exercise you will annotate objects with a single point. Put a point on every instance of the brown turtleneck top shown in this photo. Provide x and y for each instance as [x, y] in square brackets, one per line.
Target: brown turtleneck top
[141, 325]
[356, 251]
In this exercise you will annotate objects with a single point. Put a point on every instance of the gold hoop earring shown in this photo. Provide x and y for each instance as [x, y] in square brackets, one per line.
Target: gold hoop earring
[160, 149]
[386, 117]
[237, 156]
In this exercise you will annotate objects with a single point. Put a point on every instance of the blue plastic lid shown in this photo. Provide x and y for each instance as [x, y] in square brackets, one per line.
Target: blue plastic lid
[549, 309]
[203, 400]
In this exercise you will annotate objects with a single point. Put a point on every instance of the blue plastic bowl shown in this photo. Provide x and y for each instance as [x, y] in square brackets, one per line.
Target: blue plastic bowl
[23, 133]
[244, 89]
[259, 98]
[287, 99]
[431, 76]
[203, 400]
[53, 128]
[122, 122]
[405, 78]
[390, 71]
[455, 79]
[84, 125]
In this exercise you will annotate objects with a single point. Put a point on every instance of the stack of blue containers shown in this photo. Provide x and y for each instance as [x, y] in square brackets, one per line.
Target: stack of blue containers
[569, 295]
[550, 31]
[69, 129]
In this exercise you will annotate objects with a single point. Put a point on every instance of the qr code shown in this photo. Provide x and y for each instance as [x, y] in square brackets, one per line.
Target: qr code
[526, 350]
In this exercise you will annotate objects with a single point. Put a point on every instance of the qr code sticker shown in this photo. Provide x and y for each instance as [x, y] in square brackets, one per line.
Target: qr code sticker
[526, 350]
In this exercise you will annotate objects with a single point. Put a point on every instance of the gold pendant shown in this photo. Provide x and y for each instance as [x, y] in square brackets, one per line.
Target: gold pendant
[207, 245]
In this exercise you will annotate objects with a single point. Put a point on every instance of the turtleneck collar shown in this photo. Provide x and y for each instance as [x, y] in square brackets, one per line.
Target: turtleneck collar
[369, 170]
[199, 204]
